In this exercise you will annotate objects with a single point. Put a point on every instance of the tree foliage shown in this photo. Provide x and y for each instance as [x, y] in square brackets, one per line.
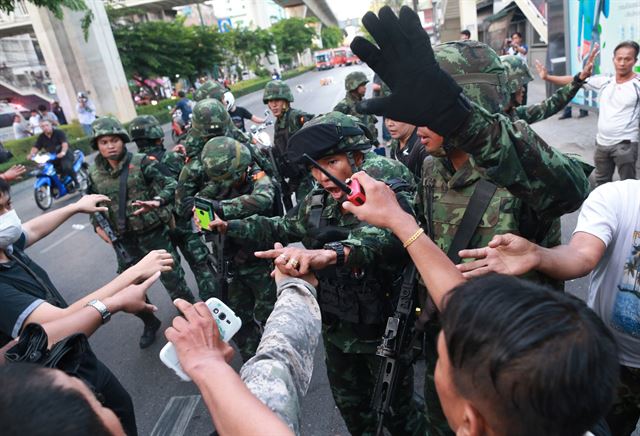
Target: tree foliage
[55, 6]
[292, 36]
[332, 36]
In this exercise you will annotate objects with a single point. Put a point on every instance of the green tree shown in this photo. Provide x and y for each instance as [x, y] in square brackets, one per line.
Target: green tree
[332, 36]
[55, 6]
[292, 37]
[248, 46]
[206, 48]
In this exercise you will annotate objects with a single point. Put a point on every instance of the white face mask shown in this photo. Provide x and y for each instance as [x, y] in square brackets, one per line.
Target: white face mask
[10, 229]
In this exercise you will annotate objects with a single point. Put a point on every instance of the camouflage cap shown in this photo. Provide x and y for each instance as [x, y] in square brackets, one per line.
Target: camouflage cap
[478, 70]
[277, 90]
[145, 127]
[107, 126]
[224, 158]
[209, 118]
[209, 89]
[518, 73]
[355, 79]
[328, 134]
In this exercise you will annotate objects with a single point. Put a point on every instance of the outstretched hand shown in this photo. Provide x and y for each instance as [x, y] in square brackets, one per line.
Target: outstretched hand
[506, 254]
[145, 206]
[422, 93]
[587, 70]
[295, 262]
[14, 173]
[89, 203]
[132, 299]
[155, 261]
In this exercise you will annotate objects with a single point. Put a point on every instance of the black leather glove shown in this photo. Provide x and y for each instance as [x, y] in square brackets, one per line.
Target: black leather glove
[422, 93]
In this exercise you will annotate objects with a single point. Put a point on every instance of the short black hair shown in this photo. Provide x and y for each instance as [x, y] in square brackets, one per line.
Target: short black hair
[42, 108]
[516, 33]
[181, 94]
[31, 403]
[540, 361]
[628, 44]
[465, 32]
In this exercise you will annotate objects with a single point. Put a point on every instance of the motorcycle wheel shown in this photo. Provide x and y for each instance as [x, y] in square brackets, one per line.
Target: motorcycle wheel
[43, 197]
[83, 181]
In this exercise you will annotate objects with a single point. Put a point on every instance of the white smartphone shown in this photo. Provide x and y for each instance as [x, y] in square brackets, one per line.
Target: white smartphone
[228, 325]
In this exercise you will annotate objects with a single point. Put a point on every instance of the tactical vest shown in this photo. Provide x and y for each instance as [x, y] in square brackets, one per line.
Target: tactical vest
[358, 296]
[108, 184]
[280, 147]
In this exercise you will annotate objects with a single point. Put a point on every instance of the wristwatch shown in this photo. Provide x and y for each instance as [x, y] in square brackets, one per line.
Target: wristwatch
[102, 310]
[339, 249]
[160, 200]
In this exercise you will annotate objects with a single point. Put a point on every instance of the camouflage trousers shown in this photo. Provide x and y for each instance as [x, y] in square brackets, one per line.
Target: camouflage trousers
[623, 417]
[252, 294]
[196, 254]
[139, 245]
[353, 376]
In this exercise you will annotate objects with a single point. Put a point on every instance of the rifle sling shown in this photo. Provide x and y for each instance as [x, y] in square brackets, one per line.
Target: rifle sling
[477, 206]
[122, 195]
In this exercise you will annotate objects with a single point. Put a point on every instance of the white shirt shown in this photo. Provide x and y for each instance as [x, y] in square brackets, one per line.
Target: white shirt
[86, 113]
[612, 214]
[619, 109]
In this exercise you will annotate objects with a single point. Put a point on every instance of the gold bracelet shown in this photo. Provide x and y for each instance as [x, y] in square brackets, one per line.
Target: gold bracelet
[413, 237]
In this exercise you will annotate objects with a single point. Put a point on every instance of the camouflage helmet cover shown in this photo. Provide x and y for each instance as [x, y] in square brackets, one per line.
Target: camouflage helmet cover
[518, 73]
[328, 134]
[355, 79]
[209, 89]
[145, 127]
[277, 90]
[209, 118]
[107, 126]
[477, 68]
[224, 158]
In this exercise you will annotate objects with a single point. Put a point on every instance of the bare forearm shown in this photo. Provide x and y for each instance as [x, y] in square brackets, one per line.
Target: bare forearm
[559, 80]
[563, 262]
[234, 409]
[438, 272]
[121, 281]
[41, 226]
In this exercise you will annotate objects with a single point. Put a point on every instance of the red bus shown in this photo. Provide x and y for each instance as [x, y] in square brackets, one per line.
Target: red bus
[339, 56]
[352, 59]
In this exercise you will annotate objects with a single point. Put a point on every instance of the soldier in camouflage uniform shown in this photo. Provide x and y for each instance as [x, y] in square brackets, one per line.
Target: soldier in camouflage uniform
[356, 86]
[146, 132]
[357, 265]
[239, 189]
[518, 75]
[536, 183]
[210, 89]
[278, 97]
[144, 225]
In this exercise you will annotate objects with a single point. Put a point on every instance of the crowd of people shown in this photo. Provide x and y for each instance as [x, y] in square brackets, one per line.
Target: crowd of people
[320, 237]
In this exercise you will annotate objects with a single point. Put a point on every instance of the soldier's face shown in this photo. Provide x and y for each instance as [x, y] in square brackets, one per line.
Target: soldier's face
[278, 107]
[361, 90]
[519, 96]
[431, 140]
[338, 165]
[110, 146]
[398, 129]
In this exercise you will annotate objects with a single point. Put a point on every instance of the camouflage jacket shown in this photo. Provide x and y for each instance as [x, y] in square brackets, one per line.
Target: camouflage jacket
[254, 198]
[190, 181]
[549, 107]
[280, 372]
[174, 162]
[373, 251]
[348, 106]
[146, 179]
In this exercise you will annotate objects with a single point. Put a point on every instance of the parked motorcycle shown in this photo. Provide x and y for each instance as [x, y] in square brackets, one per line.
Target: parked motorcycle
[48, 185]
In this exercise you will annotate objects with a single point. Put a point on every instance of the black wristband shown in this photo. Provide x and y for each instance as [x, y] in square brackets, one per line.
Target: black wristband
[577, 79]
[339, 249]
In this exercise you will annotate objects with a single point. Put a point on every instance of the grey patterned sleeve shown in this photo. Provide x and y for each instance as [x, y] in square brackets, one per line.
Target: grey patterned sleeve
[280, 372]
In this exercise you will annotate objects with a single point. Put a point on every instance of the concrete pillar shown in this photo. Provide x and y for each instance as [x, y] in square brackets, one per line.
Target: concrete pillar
[77, 65]
[469, 17]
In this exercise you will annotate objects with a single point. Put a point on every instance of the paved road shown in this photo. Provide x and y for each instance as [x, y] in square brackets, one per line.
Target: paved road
[79, 262]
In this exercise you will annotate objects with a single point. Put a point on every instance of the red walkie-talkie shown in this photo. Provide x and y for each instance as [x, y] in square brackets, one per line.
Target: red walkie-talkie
[351, 187]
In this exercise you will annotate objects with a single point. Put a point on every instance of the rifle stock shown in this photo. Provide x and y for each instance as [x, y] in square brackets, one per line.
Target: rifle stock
[121, 251]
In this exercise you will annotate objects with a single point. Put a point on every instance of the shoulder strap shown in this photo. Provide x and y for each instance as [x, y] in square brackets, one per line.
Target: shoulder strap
[122, 195]
[53, 296]
[315, 213]
[476, 208]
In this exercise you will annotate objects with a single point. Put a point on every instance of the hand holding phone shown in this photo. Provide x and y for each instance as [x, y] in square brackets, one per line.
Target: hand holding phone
[228, 325]
[204, 212]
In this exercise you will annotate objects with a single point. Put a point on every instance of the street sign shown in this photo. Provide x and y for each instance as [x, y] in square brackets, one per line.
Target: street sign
[224, 24]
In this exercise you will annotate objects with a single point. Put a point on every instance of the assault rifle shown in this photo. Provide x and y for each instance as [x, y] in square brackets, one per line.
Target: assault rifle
[121, 252]
[390, 350]
[219, 265]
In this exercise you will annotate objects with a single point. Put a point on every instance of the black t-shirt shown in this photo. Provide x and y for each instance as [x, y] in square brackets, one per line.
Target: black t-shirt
[239, 115]
[53, 144]
[20, 293]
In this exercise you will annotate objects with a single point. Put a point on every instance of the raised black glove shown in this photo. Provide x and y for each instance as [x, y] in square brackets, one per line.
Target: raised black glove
[422, 94]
